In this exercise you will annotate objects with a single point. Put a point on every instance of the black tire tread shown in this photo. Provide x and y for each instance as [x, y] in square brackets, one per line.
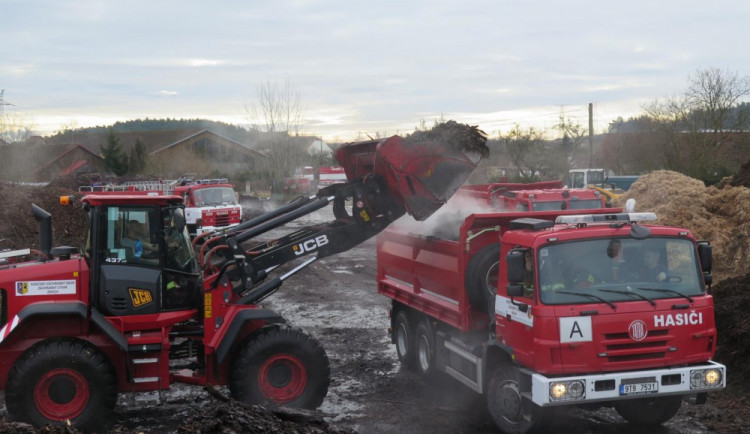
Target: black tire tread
[19, 386]
[268, 337]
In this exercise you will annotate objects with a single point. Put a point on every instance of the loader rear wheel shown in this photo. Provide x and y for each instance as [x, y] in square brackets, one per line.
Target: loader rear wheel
[281, 365]
[61, 380]
[649, 411]
[403, 337]
[482, 278]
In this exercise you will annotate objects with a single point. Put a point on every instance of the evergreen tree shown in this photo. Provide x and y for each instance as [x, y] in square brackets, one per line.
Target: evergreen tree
[114, 159]
[138, 157]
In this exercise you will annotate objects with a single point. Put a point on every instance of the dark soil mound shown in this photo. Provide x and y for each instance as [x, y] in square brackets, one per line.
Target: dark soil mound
[19, 228]
[731, 305]
[239, 417]
[460, 136]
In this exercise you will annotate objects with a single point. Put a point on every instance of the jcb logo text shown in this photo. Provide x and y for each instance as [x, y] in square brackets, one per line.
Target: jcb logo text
[310, 245]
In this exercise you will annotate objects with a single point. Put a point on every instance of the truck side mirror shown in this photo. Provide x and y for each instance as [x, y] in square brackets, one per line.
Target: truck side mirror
[515, 290]
[514, 260]
[705, 254]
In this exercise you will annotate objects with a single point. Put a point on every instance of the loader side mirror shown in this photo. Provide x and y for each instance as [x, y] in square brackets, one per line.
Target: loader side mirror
[515, 262]
[179, 220]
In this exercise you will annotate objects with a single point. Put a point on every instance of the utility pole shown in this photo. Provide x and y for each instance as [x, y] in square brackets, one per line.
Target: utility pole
[591, 134]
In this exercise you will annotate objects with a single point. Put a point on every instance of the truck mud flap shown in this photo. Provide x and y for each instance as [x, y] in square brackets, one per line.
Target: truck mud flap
[458, 361]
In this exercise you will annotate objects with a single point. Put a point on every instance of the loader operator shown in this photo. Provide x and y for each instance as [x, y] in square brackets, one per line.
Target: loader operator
[143, 251]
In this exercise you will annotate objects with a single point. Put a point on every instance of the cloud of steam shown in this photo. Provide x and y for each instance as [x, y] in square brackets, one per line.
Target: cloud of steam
[447, 220]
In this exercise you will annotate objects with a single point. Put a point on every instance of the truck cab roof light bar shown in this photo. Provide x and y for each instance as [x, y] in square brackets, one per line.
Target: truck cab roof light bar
[606, 218]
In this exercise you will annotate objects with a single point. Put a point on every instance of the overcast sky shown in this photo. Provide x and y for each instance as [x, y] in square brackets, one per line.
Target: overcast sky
[361, 66]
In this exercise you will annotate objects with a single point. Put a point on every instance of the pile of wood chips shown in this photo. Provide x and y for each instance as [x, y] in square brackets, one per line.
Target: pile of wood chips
[719, 215]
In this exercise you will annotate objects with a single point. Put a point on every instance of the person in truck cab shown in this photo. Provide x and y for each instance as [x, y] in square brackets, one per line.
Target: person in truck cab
[653, 270]
[528, 274]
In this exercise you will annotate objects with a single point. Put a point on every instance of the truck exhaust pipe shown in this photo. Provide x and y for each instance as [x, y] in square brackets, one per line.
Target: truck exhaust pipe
[45, 229]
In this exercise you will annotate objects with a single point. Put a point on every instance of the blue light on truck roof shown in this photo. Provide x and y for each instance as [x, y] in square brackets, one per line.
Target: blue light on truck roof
[606, 218]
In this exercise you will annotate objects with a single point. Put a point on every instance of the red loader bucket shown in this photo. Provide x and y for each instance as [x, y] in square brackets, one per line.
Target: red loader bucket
[421, 175]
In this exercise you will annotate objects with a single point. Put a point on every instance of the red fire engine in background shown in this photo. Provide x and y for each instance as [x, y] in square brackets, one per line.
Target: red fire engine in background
[210, 204]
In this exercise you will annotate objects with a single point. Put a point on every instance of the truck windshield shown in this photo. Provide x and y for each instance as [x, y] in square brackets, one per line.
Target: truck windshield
[618, 270]
[214, 196]
[586, 204]
[549, 206]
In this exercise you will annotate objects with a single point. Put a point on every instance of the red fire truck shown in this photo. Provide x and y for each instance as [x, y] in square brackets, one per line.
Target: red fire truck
[547, 309]
[210, 204]
[536, 196]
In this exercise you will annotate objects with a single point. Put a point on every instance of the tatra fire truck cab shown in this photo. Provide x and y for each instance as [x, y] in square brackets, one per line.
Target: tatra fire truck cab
[584, 309]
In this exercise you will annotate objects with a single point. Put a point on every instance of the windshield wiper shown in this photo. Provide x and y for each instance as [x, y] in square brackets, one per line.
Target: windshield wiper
[635, 294]
[583, 294]
[670, 291]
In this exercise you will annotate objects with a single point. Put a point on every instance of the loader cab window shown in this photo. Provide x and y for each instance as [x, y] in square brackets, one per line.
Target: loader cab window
[180, 255]
[131, 236]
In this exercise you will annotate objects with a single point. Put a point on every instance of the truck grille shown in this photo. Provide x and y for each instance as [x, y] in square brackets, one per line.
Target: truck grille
[222, 220]
[620, 348]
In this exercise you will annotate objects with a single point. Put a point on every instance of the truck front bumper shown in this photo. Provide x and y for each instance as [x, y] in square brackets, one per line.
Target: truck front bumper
[615, 386]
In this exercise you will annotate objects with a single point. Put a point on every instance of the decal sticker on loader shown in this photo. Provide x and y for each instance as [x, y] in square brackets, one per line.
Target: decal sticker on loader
[140, 297]
[45, 287]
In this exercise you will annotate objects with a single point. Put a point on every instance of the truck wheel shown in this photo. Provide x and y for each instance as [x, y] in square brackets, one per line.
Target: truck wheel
[60, 380]
[505, 403]
[281, 365]
[403, 337]
[481, 277]
[649, 411]
[425, 346]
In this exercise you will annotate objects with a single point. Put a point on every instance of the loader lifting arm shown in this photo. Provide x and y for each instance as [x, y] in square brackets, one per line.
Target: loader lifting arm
[387, 179]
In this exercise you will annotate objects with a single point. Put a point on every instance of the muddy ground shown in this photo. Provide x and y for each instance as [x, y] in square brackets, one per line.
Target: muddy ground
[335, 300]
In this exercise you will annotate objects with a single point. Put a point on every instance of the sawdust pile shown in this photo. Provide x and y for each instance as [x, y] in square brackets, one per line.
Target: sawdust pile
[720, 215]
[19, 229]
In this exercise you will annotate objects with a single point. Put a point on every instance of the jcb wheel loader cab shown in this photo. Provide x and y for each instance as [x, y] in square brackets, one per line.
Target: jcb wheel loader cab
[282, 365]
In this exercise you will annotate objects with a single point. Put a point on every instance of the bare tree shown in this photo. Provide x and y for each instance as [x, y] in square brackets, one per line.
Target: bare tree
[14, 127]
[573, 135]
[278, 113]
[697, 132]
[527, 151]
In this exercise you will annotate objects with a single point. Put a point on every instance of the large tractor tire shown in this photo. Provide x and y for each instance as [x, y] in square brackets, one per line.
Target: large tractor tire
[403, 337]
[482, 276]
[62, 380]
[505, 403]
[649, 411]
[281, 365]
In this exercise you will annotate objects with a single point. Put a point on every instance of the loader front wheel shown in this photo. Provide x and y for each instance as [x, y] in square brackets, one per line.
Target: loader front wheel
[281, 365]
[62, 380]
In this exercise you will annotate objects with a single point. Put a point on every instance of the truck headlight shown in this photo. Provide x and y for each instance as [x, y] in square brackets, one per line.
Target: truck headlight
[567, 390]
[705, 378]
